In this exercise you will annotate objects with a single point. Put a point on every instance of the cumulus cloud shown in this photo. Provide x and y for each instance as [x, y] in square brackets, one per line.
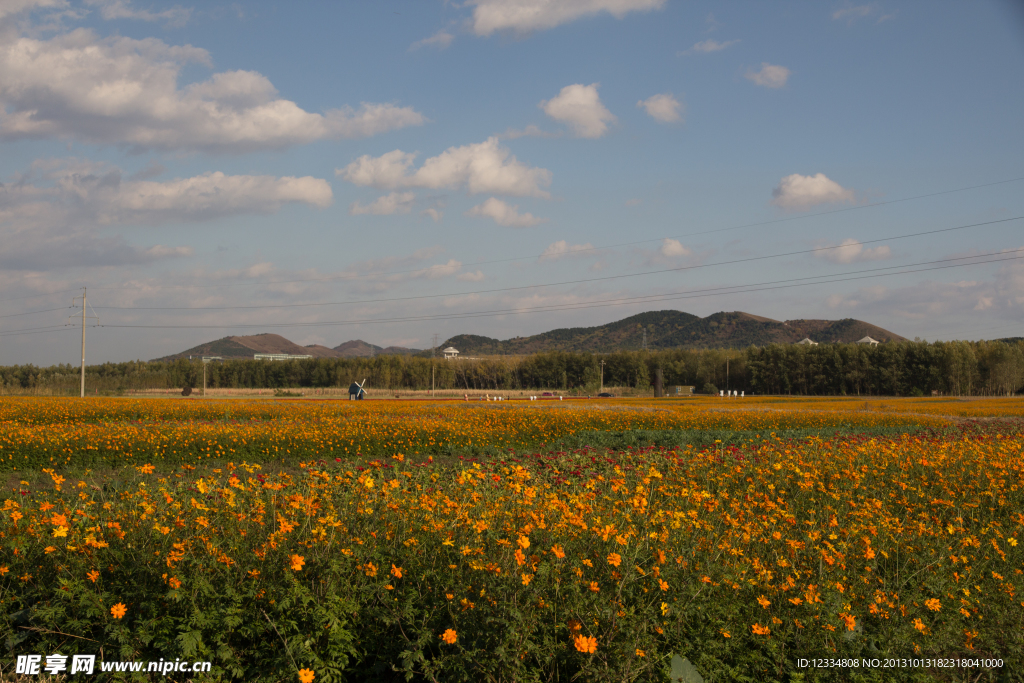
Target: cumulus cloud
[524, 16]
[74, 192]
[475, 276]
[711, 45]
[770, 75]
[851, 251]
[562, 249]
[531, 131]
[433, 213]
[800, 191]
[664, 108]
[396, 202]
[853, 12]
[580, 106]
[122, 9]
[124, 91]
[673, 248]
[12, 7]
[441, 40]
[484, 167]
[504, 214]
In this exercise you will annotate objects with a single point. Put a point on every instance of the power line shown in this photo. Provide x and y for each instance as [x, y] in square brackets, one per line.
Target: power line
[46, 310]
[693, 294]
[593, 249]
[556, 284]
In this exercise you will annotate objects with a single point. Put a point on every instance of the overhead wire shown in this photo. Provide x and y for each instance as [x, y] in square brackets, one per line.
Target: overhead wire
[554, 284]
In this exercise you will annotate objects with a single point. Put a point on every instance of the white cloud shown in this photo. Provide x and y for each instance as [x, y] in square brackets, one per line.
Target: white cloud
[524, 16]
[531, 131]
[125, 91]
[396, 202]
[664, 108]
[770, 75]
[800, 191]
[441, 40]
[504, 214]
[851, 251]
[471, 277]
[580, 106]
[634, 202]
[673, 248]
[10, 8]
[72, 192]
[561, 249]
[435, 214]
[122, 9]
[711, 45]
[853, 12]
[484, 167]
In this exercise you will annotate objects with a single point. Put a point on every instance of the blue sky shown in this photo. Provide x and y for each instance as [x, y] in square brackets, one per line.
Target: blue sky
[393, 170]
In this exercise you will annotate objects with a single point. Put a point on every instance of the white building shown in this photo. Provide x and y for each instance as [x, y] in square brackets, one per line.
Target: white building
[451, 352]
[279, 356]
[806, 341]
[867, 340]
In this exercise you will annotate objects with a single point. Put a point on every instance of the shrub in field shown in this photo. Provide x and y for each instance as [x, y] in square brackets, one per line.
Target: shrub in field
[596, 565]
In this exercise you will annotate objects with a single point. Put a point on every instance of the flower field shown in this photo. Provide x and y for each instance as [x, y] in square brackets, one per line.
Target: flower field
[453, 541]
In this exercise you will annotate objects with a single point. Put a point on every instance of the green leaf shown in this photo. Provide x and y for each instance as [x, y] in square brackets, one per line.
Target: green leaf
[684, 672]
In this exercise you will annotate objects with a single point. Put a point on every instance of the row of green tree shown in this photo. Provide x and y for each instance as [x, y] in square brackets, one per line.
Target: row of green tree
[896, 369]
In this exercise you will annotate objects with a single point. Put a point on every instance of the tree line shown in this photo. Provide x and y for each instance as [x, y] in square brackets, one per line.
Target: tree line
[957, 368]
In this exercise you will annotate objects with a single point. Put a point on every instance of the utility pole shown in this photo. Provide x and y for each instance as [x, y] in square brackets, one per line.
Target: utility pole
[433, 349]
[82, 394]
[727, 374]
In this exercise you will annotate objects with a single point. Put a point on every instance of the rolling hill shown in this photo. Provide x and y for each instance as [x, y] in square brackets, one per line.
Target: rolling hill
[662, 330]
[675, 329]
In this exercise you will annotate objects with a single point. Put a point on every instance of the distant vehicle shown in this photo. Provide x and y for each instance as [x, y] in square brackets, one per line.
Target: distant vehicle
[606, 395]
[547, 393]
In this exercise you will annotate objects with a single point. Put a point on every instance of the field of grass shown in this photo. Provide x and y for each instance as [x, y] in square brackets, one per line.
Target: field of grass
[516, 541]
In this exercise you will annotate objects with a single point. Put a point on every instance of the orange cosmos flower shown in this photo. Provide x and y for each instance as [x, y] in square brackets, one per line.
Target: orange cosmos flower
[933, 604]
[615, 559]
[919, 625]
[520, 558]
[764, 602]
[663, 585]
[396, 572]
[118, 610]
[449, 636]
[297, 562]
[306, 676]
[585, 644]
[92, 576]
[594, 587]
[761, 630]
[527, 578]
[849, 620]
[557, 550]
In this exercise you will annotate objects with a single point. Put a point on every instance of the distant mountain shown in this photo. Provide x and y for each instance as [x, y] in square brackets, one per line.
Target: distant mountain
[675, 329]
[246, 346]
[660, 330]
[357, 348]
[241, 347]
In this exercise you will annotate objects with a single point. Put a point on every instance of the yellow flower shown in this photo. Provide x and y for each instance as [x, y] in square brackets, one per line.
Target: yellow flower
[118, 610]
[527, 578]
[449, 636]
[60, 532]
[1012, 542]
[664, 609]
[306, 676]
[585, 644]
